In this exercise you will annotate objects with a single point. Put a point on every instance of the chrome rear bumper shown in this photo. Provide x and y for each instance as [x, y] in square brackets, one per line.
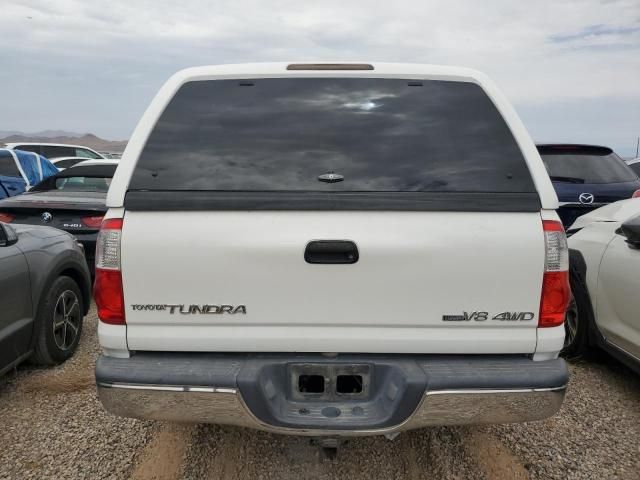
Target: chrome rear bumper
[225, 406]
[472, 402]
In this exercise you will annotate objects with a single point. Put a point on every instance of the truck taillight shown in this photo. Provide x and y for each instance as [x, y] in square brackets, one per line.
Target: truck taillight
[636, 194]
[107, 289]
[556, 292]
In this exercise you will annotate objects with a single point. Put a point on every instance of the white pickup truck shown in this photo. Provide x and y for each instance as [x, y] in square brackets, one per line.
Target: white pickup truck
[331, 249]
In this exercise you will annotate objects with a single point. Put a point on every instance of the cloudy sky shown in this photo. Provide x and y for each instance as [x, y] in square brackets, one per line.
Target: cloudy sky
[571, 68]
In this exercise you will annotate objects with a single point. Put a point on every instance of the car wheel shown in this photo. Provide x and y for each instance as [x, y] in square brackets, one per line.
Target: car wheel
[58, 322]
[576, 320]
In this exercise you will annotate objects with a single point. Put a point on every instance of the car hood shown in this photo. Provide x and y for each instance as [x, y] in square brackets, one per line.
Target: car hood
[58, 199]
[614, 212]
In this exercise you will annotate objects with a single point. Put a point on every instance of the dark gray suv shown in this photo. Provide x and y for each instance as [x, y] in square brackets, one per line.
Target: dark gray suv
[45, 291]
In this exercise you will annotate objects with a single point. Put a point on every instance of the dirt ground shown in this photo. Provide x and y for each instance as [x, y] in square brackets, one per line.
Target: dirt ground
[54, 427]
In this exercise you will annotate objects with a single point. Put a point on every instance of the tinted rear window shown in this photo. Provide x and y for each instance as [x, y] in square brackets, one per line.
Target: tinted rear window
[83, 184]
[588, 167]
[379, 135]
[95, 178]
[67, 163]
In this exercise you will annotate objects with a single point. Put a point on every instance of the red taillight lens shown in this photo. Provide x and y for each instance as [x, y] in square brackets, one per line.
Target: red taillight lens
[556, 292]
[636, 194]
[107, 289]
[6, 217]
[93, 222]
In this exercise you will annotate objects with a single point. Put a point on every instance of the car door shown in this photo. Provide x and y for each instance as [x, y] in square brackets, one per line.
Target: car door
[16, 309]
[618, 299]
[10, 178]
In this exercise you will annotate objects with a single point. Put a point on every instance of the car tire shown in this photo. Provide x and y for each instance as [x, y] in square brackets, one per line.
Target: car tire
[576, 324]
[58, 322]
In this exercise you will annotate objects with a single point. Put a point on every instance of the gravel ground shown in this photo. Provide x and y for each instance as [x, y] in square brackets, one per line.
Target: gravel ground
[53, 427]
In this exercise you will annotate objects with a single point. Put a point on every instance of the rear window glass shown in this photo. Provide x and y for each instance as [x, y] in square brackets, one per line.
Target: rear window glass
[574, 167]
[635, 167]
[331, 134]
[83, 184]
[67, 163]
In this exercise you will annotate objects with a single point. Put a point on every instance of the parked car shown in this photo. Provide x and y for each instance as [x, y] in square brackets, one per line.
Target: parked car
[65, 162]
[45, 291]
[605, 280]
[634, 164]
[20, 170]
[73, 200]
[55, 150]
[320, 265]
[587, 177]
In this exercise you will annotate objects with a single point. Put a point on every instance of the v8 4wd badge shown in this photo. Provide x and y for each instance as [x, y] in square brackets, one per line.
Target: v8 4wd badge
[483, 316]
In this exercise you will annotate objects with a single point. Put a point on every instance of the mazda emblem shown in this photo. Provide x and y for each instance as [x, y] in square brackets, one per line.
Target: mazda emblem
[586, 198]
[46, 217]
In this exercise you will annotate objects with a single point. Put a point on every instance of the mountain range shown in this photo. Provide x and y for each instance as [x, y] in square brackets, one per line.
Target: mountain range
[60, 136]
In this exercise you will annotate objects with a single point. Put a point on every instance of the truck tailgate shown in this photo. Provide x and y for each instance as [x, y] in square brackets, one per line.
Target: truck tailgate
[425, 282]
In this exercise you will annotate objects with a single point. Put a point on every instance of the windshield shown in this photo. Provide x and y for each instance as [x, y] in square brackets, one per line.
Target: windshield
[329, 135]
[587, 168]
[83, 184]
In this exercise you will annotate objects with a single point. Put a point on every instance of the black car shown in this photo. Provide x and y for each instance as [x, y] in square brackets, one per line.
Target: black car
[45, 291]
[587, 177]
[73, 200]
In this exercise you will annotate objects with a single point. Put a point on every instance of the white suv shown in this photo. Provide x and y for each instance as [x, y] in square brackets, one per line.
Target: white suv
[331, 249]
[55, 150]
[605, 281]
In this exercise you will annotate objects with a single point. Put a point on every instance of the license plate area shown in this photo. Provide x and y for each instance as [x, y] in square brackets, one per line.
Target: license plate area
[331, 382]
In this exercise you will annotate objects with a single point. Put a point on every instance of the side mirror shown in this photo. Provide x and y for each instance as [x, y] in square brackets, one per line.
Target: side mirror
[631, 231]
[8, 235]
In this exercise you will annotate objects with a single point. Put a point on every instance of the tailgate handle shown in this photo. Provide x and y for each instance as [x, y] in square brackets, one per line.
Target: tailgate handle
[331, 252]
